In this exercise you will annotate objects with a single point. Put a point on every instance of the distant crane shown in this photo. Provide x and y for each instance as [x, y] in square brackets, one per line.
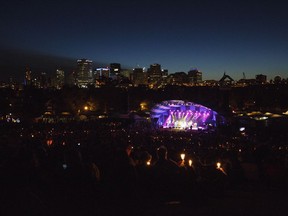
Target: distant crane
[244, 76]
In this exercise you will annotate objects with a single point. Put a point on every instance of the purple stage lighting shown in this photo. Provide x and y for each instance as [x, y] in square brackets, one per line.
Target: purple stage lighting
[183, 115]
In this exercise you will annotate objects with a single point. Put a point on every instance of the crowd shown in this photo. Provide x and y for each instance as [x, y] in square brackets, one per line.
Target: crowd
[105, 169]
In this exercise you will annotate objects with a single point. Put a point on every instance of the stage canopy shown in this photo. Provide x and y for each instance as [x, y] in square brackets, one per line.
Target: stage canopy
[181, 114]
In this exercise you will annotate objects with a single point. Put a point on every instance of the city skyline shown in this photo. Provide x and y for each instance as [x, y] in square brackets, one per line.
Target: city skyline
[235, 37]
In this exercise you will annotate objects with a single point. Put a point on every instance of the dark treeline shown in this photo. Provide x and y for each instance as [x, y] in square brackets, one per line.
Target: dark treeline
[30, 103]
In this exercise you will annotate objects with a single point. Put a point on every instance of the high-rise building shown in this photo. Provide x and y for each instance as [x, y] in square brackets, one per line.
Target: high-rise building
[102, 73]
[40, 81]
[70, 78]
[195, 76]
[164, 73]
[84, 75]
[154, 73]
[59, 78]
[43, 80]
[139, 77]
[178, 78]
[127, 73]
[115, 69]
[28, 76]
[261, 79]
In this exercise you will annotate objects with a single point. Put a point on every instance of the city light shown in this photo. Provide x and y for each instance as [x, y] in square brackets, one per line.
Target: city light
[49, 142]
[143, 106]
[218, 165]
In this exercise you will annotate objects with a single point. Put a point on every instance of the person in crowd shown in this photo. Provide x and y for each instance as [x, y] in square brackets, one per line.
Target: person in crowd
[143, 169]
[123, 173]
[166, 175]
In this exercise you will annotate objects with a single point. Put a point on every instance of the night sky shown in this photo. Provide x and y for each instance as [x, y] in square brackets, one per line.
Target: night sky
[213, 36]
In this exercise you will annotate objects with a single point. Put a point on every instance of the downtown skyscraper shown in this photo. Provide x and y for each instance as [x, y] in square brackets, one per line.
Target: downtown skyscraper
[84, 75]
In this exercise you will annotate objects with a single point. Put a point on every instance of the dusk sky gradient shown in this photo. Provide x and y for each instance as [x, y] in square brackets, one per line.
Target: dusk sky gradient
[213, 36]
